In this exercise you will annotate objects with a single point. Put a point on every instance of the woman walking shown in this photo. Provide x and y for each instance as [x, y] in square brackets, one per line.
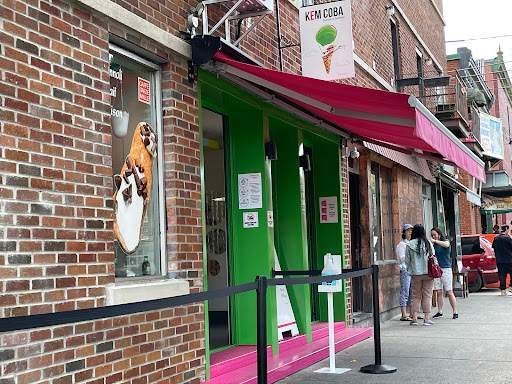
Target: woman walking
[405, 279]
[417, 252]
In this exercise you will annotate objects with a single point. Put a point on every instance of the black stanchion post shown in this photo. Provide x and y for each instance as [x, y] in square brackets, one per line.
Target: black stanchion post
[378, 367]
[261, 323]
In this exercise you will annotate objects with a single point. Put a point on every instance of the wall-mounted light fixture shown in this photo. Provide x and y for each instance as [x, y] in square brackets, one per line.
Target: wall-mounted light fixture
[390, 9]
[193, 19]
[350, 152]
[428, 61]
[305, 162]
[271, 150]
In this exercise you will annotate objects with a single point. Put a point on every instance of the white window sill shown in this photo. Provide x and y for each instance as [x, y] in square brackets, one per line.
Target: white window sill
[143, 290]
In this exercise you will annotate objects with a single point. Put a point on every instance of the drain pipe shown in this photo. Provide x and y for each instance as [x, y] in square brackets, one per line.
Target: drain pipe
[278, 22]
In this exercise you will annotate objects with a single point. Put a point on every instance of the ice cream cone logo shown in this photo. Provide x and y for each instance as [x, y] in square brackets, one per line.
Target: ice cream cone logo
[325, 36]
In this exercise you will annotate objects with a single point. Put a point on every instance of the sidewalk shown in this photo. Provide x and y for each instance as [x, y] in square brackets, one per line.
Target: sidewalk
[475, 348]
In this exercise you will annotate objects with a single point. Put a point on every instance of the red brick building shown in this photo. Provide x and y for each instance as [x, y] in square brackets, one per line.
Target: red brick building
[62, 142]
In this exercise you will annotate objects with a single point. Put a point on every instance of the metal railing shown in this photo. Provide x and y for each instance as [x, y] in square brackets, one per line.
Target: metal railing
[446, 102]
[260, 285]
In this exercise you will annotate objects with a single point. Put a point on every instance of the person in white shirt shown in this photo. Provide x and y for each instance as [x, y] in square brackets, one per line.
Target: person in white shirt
[405, 279]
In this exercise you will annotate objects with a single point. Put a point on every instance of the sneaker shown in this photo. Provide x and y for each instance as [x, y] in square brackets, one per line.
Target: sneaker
[438, 314]
[428, 322]
[413, 322]
[455, 316]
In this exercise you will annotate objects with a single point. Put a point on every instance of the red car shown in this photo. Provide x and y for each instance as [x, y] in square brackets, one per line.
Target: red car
[478, 257]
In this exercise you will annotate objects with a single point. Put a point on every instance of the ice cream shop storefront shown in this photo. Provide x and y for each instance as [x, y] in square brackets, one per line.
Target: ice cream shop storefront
[266, 173]
[272, 153]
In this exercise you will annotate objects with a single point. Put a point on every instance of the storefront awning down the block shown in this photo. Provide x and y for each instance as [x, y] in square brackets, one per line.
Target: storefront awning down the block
[390, 118]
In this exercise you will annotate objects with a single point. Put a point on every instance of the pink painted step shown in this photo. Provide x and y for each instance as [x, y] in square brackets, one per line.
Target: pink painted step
[291, 360]
[233, 358]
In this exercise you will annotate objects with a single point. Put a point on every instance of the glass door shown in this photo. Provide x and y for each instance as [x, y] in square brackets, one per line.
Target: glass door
[310, 221]
[219, 310]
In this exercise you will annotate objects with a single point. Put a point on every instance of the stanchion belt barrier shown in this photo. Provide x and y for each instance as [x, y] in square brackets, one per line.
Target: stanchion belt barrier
[58, 318]
[260, 285]
[317, 279]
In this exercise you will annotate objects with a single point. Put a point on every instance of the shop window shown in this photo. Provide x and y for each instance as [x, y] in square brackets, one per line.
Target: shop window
[134, 95]
[396, 52]
[419, 66]
[428, 218]
[382, 213]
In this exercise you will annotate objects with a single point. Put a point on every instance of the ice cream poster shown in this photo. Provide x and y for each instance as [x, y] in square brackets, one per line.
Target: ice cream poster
[326, 41]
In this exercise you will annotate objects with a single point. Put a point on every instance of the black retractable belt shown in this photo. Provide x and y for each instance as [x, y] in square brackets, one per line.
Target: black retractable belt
[66, 317]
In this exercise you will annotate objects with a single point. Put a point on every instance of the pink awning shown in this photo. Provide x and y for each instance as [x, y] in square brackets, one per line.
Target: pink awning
[393, 118]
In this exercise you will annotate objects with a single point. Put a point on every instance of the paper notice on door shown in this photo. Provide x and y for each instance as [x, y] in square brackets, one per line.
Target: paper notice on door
[144, 90]
[249, 191]
[251, 220]
[329, 209]
[270, 218]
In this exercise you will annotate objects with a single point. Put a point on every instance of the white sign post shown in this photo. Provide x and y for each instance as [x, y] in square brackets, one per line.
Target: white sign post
[332, 266]
[326, 41]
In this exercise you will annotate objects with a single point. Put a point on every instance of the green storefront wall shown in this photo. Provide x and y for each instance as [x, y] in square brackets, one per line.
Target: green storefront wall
[250, 123]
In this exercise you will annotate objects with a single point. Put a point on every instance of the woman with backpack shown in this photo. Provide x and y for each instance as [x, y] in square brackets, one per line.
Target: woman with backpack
[417, 251]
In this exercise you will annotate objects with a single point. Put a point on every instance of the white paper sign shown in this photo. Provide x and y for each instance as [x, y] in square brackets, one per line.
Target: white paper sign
[285, 316]
[251, 220]
[249, 191]
[326, 41]
[270, 218]
[329, 209]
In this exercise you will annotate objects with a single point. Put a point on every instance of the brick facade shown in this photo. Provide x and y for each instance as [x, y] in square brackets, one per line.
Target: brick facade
[56, 192]
[56, 209]
[469, 214]
[56, 239]
[502, 108]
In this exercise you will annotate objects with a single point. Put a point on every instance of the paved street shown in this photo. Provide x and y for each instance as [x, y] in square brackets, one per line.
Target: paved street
[472, 349]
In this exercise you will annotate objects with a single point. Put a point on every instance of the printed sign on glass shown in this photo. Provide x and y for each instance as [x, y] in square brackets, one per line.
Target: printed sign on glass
[249, 191]
[326, 41]
[491, 135]
[251, 220]
[329, 209]
[144, 91]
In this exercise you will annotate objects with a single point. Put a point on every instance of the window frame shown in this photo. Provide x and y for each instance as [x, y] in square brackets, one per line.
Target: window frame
[396, 52]
[379, 253]
[159, 158]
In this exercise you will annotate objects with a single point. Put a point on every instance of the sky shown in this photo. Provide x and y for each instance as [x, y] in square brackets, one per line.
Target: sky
[470, 19]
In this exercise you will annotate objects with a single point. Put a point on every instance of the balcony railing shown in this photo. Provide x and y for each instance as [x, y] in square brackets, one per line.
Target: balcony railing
[451, 102]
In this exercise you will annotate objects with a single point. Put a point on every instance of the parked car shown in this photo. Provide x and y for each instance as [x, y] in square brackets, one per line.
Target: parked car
[478, 257]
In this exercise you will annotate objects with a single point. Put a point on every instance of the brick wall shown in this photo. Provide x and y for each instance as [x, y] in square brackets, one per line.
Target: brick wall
[151, 347]
[57, 185]
[469, 213]
[502, 108]
[56, 239]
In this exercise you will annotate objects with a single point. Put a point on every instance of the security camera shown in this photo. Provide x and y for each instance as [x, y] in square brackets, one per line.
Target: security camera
[354, 153]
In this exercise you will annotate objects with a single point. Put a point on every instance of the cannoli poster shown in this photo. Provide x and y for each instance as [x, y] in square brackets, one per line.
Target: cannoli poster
[326, 41]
